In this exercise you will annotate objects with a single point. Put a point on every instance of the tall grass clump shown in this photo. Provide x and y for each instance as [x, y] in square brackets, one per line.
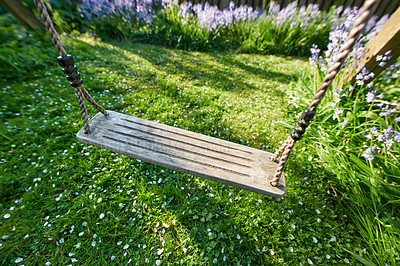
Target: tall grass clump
[290, 31]
[357, 137]
[111, 20]
[200, 27]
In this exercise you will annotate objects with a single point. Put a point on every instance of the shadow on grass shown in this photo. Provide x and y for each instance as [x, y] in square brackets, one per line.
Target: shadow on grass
[215, 69]
[217, 219]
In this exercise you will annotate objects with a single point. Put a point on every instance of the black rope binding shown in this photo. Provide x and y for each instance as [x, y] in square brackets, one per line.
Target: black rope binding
[302, 123]
[67, 62]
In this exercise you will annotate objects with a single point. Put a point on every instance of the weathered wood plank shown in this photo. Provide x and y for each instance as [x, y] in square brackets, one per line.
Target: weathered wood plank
[203, 156]
[387, 39]
[24, 15]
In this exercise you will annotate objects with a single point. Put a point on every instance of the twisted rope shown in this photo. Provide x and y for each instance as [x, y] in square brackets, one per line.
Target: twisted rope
[287, 147]
[82, 107]
[49, 27]
[80, 90]
[279, 152]
[92, 101]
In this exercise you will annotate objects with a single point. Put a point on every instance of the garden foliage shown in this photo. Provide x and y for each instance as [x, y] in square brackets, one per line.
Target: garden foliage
[203, 27]
[356, 133]
[22, 52]
[357, 137]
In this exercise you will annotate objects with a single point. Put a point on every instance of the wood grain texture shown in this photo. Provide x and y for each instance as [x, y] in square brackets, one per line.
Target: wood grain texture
[24, 15]
[387, 39]
[188, 152]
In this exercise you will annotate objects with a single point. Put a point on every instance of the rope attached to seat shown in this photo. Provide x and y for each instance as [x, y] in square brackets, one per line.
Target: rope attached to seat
[303, 122]
[67, 62]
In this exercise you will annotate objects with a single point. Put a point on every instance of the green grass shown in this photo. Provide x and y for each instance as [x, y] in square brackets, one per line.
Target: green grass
[56, 189]
[261, 35]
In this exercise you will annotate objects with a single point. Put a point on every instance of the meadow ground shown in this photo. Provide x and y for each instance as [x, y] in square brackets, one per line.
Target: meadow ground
[64, 202]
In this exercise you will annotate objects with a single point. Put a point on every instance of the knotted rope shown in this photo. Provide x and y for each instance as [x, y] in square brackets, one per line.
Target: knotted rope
[67, 62]
[284, 151]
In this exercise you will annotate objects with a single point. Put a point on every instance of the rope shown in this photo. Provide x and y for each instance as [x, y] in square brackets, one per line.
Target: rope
[300, 127]
[92, 101]
[49, 27]
[82, 107]
[279, 152]
[67, 62]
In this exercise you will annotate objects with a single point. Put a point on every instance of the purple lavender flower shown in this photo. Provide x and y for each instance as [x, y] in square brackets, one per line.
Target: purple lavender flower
[128, 9]
[388, 132]
[370, 97]
[389, 143]
[368, 153]
[341, 31]
[383, 59]
[337, 113]
[392, 72]
[211, 18]
[388, 112]
[387, 56]
[382, 64]
[368, 136]
[374, 131]
[396, 137]
[314, 55]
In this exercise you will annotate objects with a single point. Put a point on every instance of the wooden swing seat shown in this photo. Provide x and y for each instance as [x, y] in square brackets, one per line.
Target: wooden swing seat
[184, 151]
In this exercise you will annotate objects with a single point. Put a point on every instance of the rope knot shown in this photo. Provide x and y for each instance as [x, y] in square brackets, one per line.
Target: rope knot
[69, 68]
[303, 122]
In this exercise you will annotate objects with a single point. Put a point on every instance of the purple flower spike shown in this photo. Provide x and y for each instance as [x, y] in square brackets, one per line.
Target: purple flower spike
[380, 138]
[368, 153]
[314, 55]
[396, 137]
[388, 132]
[371, 96]
[389, 143]
[374, 149]
[374, 131]
[368, 136]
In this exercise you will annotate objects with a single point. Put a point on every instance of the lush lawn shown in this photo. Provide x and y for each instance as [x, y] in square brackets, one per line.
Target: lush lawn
[64, 202]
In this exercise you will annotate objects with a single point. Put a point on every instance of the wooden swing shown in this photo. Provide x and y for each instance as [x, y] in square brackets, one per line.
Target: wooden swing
[196, 154]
